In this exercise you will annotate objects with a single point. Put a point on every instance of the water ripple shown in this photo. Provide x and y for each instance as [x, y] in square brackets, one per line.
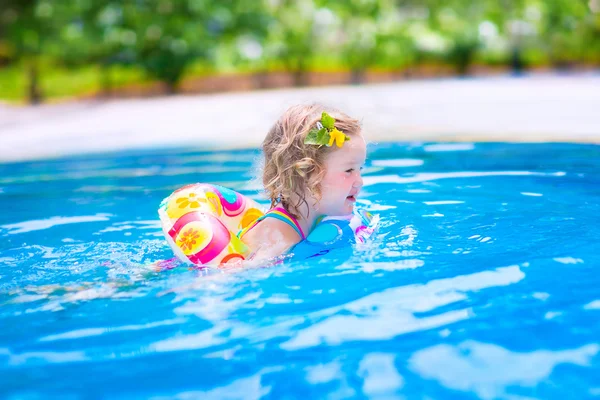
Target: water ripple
[428, 177]
[41, 224]
[489, 370]
[391, 312]
[481, 268]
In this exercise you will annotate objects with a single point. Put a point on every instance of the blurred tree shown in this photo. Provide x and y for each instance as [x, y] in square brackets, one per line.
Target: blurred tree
[569, 29]
[93, 33]
[368, 27]
[167, 35]
[246, 35]
[27, 26]
[292, 38]
[457, 22]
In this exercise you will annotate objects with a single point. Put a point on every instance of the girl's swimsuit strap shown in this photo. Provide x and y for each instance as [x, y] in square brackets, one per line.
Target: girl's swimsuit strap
[281, 214]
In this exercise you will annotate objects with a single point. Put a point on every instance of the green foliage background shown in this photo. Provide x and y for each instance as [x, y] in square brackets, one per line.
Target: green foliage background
[60, 48]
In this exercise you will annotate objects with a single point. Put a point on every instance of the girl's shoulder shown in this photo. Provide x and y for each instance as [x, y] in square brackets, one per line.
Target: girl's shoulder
[270, 229]
[273, 234]
[279, 219]
[270, 238]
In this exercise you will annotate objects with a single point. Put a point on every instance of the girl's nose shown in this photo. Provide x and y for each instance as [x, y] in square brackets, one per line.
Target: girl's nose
[358, 183]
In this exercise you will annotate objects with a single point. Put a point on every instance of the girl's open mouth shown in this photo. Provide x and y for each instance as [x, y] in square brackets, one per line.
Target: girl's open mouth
[351, 198]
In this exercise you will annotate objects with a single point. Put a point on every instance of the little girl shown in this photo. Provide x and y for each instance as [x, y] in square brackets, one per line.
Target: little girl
[313, 160]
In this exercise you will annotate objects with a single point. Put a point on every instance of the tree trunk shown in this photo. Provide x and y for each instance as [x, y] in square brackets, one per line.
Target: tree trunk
[34, 95]
[171, 88]
[357, 76]
[516, 61]
[300, 78]
[105, 81]
[260, 80]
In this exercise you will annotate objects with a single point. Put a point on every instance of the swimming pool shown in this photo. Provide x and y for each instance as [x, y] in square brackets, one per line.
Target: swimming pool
[481, 283]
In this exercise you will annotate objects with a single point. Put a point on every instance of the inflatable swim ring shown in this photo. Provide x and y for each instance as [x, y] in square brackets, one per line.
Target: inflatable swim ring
[201, 224]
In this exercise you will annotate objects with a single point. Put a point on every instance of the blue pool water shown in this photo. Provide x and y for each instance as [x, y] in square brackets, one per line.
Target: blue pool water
[482, 282]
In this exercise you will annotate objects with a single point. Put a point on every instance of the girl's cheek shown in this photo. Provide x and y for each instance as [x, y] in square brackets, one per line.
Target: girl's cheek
[342, 179]
[337, 181]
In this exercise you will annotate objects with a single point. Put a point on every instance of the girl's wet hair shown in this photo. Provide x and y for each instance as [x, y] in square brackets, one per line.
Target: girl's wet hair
[292, 168]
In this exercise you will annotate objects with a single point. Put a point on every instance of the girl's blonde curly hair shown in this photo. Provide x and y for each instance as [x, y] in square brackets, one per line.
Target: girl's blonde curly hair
[291, 167]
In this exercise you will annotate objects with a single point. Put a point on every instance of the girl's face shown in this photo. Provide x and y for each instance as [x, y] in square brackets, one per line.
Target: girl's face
[342, 181]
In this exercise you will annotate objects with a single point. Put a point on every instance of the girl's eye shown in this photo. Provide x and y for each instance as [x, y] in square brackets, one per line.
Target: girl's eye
[350, 170]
